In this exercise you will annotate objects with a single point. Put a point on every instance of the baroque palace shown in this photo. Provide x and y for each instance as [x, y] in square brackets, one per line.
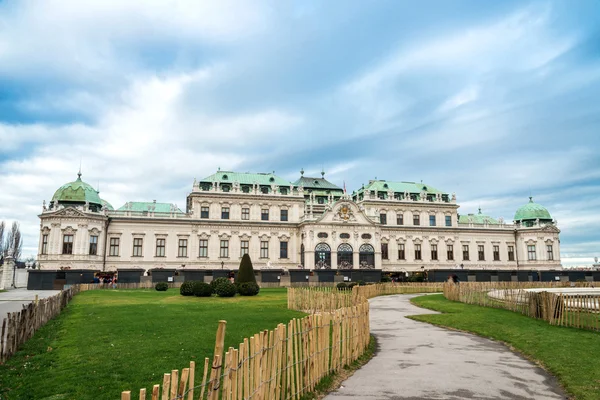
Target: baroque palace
[310, 223]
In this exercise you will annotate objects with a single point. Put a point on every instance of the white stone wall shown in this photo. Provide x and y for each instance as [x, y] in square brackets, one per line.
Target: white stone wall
[356, 221]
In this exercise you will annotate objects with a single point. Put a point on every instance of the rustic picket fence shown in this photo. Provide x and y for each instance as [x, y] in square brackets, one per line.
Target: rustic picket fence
[562, 309]
[20, 326]
[383, 289]
[284, 363]
[139, 285]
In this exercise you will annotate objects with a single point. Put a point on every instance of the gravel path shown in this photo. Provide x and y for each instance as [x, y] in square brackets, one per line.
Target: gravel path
[416, 360]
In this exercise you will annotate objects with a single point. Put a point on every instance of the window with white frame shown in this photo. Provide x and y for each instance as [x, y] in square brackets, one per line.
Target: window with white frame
[203, 250]
[264, 249]
[93, 245]
[137, 247]
[67, 244]
[160, 247]
[245, 213]
[224, 250]
[114, 247]
[550, 252]
[45, 244]
[182, 248]
[244, 247]
[531, 252]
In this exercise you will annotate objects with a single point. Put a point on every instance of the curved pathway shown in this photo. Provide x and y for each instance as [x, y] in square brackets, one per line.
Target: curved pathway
[416, 360]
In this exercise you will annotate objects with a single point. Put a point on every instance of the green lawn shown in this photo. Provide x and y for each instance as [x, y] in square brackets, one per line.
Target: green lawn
[569, 354]
[108, 341]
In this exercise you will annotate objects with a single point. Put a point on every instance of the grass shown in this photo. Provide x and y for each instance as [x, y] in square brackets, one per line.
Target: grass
[108, 341]
[569, 354]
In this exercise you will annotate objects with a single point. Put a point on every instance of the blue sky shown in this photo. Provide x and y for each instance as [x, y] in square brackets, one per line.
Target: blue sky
[490, 100]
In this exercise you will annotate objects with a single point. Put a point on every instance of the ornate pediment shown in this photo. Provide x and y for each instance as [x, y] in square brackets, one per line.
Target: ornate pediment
[345, 211]
[70, 212]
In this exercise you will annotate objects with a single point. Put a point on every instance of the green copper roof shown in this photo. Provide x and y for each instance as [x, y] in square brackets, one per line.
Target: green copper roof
[77, 192]
[399, 187]
[246, 178]
[107, 204]
[532, 211]
[140, 206]
[316, 183]
[478, 219]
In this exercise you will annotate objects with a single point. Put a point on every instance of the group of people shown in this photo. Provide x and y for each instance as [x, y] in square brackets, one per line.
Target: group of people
[106, 280]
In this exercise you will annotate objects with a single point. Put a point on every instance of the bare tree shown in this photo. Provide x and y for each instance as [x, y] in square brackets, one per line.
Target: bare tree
[14, 241]
[2, 224]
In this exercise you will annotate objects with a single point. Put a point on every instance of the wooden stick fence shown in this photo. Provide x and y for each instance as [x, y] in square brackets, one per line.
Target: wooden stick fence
[284, 363]
[563, 309]
[382, 289]
[18, 327]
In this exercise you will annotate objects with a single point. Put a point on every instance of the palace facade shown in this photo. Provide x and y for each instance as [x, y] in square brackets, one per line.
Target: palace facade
[310, 223]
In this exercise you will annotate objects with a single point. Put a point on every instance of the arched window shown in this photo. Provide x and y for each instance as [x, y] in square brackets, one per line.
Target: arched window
[344, 256]
[366, 256]
[302, 255]
[322, 256]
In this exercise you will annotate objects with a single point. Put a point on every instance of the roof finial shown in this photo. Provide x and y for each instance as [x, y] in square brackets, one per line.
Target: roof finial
[79, 173]
[302, 172]
[531, 199]
[98, 189]
[479, 209]
[322, 172]
[218, 169]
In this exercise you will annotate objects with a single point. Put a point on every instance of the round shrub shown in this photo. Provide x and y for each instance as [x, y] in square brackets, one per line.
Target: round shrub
[248, 289]
[161, 286]
[386, 278]
[202, 289]
[225, 289]
[351, 285]
[342, 286]
[217, 282]
[361, 283]
[187, 288]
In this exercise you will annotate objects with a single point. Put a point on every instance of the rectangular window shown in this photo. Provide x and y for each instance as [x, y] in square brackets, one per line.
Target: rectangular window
[244, 247]
[448, 220]
[67, 244]
[203, 252]
[264, 214]
[93, 245]
[417, 251]
[284, 217]
[114, 247]
[434, 253]
[450, 251]
[264, 249]
[400, 219]
[245, 213]
[203, 212]
[383, 218]
[384, 251]
[224, 253]
[466, 252]
[511, 253]
[496, 253]
[283, 249]
[480, 252]
[182, 251]
[224, 212]
[160, 247]
[401, 253]
[531, 253]
[550, 252]
[44, 244]
[432, 220]
[416, 219]
[137, 247]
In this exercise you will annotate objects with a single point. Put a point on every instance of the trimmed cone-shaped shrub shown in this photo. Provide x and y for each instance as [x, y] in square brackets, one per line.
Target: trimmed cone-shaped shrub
[202, 289]
[225, 289]
[161, 286]
[248, 289]
[246, 271]
[187, 288]
[217, 282]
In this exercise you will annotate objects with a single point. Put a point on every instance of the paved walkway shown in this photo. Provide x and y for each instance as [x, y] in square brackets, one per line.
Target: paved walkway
[416, 360]
[13, 300]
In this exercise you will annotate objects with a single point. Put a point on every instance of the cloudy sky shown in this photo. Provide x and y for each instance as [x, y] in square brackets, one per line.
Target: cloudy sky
[492, 100]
